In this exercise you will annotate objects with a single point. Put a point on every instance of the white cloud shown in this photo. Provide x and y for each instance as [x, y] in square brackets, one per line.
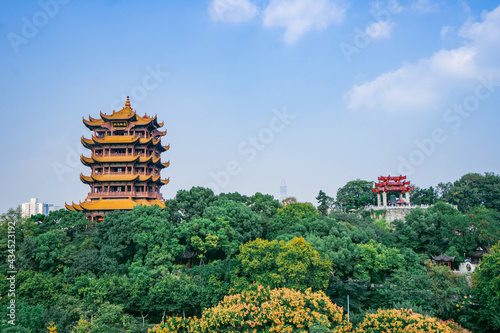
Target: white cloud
[416, 86]
[424, 6]
[392, 5]
[395, 7]
[427, 83]
[233, 11]
[380, 29]
[454, 64]
[445, 31]
[301, 16]
[465, 7]
[487, 31]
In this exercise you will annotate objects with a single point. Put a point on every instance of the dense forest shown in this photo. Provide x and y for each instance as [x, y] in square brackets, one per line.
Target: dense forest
[236, 263]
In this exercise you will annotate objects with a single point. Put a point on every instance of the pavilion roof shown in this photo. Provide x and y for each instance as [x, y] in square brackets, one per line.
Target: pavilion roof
[127, 114]
[443, 257]
[88, 143]
[119, 178]
[119, 159]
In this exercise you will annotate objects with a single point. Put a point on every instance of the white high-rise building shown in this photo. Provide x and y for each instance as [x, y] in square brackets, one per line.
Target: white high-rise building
[33, 208]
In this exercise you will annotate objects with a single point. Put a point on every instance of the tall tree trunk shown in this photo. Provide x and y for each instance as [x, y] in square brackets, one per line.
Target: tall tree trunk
[143, 318]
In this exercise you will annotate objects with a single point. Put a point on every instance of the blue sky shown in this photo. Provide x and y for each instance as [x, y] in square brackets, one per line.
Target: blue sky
[317, 92]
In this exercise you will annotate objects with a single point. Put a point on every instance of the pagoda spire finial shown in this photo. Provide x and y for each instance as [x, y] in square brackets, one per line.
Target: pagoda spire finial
[127, 103]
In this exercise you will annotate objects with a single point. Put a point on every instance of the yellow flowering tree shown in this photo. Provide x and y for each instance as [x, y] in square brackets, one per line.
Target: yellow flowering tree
[178, 325]
[406, 321]
[261, 309]
[52, 327]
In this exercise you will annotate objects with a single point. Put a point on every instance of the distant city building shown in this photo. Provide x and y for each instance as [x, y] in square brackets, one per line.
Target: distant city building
[52, 208]
[34, 208]
[283, 192]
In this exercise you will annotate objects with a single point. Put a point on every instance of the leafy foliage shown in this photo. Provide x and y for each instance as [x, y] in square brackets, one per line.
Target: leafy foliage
[205, 255]
[355, 194]
[293, 264]
[486, 284]
[325, 203]
[473, 190]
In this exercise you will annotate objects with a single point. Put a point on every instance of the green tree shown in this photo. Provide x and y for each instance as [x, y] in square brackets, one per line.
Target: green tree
[484, 226]
[486, 283]
[426, 231]
[29, 318]
[342, 251]
[411, 287]
[39, 288]
[208, 239]
[325, 203]
[474, 189]
[145, 234]
[293, 264]
[355, 194]
[13, 228]
[155, 237]
[191, 204]
[423, 196]
[264, 204]
[65, 220]
[236, 197]
[450, 291]
[377, 261]
[288, 216]
[247, 224]
[215, 281]
[176, 293]
[140, 281]
[52, 251]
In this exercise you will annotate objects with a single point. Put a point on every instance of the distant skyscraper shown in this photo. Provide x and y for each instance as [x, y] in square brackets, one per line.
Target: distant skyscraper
[33, 208]
[283, 194]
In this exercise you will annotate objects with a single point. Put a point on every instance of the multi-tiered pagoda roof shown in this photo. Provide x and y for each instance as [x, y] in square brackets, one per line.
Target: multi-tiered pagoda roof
[125, 163]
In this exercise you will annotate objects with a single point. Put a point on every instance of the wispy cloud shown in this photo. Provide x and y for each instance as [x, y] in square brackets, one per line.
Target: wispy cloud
[425, 84]
[445, 31]
[232, 11]
[297, 16]
[300, 16]
[424, 6]
[380, 30]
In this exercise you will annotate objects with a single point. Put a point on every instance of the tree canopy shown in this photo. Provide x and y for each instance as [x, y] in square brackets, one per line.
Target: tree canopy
[245, 262]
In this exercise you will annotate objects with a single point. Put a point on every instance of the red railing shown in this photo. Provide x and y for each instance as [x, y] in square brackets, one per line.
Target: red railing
[125, 173]
[125, 194]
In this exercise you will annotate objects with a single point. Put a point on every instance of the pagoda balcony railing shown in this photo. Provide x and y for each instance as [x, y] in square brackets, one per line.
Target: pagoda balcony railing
[125, 173]
[124, 194]
[142, 136]
[117, 154]
[124, 154]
